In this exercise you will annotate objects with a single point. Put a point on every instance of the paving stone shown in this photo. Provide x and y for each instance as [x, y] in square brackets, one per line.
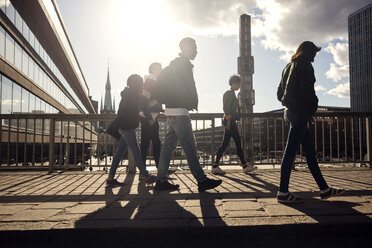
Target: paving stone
[241, 205]
[16, 225]
[63, 216]
[85, 208]
[54, 205]
[205, 212]
[11, 209]
[31, 215]
[116, 213]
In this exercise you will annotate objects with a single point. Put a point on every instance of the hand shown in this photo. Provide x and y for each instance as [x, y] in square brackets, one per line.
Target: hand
[228, 125]
[152, 122]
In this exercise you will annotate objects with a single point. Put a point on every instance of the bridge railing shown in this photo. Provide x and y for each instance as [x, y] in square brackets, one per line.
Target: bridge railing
[78, 141]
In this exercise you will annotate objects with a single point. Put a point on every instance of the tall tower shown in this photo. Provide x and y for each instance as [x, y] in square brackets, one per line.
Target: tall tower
[246, 97]
[360, 50]
[107, 105]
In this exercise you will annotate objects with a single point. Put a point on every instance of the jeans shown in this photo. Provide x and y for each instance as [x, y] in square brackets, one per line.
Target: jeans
[128, 140]
[179, 129]
[150, 133]
[234, 133]
[299, 134]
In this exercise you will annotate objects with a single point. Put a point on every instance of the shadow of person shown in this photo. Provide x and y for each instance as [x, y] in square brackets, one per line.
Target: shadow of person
[211, 210]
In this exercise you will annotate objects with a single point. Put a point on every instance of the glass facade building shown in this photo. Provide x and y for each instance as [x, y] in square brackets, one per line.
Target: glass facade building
[39, 72]
[360, 59]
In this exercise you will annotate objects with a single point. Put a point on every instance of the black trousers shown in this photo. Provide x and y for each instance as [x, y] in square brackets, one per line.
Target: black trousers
[234, 133]
[150, 133]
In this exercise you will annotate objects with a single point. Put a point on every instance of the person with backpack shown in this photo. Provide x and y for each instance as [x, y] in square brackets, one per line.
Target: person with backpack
[176, 89]
[297, 94]
[125, 124]
[232, 116]
[150, 109]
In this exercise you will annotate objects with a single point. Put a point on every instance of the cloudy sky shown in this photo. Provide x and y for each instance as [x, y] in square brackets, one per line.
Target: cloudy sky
[132, 34]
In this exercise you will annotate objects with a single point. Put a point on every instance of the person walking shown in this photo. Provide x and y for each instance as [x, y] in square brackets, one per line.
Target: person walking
[177, 90]
[232, 116]
[125, 124]
[150, 109]
[297, 94]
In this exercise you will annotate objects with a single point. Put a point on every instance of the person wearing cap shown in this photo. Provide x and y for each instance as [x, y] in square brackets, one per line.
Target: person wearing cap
[296, 92]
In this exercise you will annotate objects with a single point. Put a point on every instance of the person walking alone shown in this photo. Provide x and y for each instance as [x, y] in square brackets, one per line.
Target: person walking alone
[297, 94]
[232, 116]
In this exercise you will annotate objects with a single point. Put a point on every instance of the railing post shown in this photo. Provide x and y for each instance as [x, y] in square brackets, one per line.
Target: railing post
[131, 165]
[369, 139]
[51, 144]
[213, 145]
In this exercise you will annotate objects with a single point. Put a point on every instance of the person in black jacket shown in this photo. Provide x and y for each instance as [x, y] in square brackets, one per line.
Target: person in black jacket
[232, 115]
[297, 94]
[181, 96]
[126, 123]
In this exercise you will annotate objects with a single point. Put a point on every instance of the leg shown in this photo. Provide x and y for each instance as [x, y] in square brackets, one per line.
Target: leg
[238, 143]
[295, 135]
[130, 138]
[170, 143]
[145, 138]
[308, 145]
[225, 142]
[156, 144]
[184, 133]
[121, 150]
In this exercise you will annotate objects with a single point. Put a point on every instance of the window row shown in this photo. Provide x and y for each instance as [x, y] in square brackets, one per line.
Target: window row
[20, 58]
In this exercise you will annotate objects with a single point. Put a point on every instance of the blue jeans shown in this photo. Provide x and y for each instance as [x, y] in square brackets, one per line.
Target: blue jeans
[299, 134]
[179, 129]
[128, 139]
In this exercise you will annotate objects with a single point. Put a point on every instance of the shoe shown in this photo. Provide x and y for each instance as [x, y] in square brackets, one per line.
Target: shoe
[208, 184]
[331, 192]
[159, 186]
[150, 179]
[288, 198]
[113, 183]
[217, 171]
[249, 168]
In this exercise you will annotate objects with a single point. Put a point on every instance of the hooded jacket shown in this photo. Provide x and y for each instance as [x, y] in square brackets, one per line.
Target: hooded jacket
[296, 88]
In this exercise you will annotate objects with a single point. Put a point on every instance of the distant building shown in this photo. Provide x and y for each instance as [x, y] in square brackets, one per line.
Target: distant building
[108, 107]
[360, 59]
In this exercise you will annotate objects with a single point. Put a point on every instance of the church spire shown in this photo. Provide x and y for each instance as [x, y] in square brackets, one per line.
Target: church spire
[108, 102]
[101, 106]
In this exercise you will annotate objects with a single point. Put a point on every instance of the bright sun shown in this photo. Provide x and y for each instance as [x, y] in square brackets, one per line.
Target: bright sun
[144, 22]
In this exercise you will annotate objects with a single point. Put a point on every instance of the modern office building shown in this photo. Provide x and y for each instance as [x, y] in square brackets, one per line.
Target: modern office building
[360, 59]
[39, 74]
[39, 70]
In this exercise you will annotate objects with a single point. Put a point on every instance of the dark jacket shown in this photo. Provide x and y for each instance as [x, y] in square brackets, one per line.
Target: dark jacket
[231, 105]
[148, 104]
[296, 88]
[127, 113]
[180, 90]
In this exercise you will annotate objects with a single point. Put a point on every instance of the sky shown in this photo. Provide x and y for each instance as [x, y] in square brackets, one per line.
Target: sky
[128, 35]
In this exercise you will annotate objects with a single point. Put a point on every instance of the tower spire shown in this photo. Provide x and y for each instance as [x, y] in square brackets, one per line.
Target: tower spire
[108, 101]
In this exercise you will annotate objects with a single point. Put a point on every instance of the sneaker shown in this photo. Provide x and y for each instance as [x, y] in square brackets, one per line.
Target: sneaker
[217, 171]
[150, 179]
[159, 186]
[331, 192]
[113, 183]
[249, 168]
[208, 184]
[288, 198]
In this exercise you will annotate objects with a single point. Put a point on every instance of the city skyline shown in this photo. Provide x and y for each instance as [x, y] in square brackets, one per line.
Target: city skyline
[216, 30]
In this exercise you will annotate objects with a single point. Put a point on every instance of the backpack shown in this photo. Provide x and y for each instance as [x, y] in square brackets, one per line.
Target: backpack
[164, 85]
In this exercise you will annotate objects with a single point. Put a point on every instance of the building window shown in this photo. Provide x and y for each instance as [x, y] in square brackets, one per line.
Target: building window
[10, 12]
[18, 22]
[2, 42]
[16, 99]
[18, 56]
[25, 100]
[9, 48]
[6, 95]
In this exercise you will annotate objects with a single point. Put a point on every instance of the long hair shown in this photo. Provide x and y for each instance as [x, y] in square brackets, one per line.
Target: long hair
[306, 50]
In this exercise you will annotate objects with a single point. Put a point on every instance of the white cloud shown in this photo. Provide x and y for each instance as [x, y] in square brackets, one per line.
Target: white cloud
[339, 69]
[319, 88]
[341, 91]
[280, 24]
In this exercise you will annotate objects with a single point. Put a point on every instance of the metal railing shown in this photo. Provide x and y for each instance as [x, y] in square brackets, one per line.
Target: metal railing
[79, 141]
